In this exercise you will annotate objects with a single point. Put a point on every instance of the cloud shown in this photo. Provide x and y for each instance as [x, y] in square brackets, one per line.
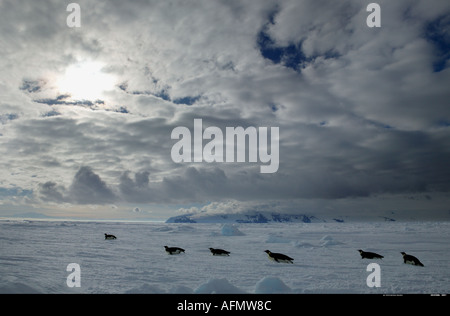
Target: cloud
[86, 188]
[361, 111]
[135, 190]
[52, 192]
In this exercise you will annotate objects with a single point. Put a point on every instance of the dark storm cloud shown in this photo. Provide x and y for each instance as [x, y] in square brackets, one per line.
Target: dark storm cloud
[87, 188]
[50, 191]
[136, 190]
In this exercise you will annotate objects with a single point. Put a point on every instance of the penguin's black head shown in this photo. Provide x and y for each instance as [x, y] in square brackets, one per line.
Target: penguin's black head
[360, 251]
[267, 251]
[403, 253]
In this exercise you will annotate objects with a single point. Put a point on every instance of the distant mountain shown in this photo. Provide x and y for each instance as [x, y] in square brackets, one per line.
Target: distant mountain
[253, 217]
[32, 215]
[275, 217]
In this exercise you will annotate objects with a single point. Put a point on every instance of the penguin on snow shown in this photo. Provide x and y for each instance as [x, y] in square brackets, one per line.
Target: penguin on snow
[173, 250]
[279, 257]
[219, 252]
[409, 259]
[107, 236]
[369, 255]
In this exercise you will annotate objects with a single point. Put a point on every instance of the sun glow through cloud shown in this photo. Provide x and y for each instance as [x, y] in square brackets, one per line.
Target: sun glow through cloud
[86, 81]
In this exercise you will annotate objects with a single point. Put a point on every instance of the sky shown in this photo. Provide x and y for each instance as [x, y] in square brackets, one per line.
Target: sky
[87, 113]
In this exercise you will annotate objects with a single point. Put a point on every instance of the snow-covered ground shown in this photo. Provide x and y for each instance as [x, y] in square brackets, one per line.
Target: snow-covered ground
[34, 256]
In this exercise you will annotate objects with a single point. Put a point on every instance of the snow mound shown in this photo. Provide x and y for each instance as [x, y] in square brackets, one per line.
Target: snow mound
[329, 241]
[301, 244]
[17, 288]
[231, 230]
[271, 285]
[277, 239]
[181, 289]
[218, 286]
[185, 228]
[145, 289]
[163, 229]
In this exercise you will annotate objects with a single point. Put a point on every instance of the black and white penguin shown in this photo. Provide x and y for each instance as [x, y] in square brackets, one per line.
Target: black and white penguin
[219, 252]
[369, 255]
[173, 250]
[278, 257]
[409, 259]
[109, 236]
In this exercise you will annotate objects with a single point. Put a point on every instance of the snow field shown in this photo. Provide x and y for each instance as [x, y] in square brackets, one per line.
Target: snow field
[34, 256]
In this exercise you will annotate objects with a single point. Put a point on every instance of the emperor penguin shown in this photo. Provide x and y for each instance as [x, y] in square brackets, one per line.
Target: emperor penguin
[278, 257]
[409, 259]
[173, 250]
[369, 255]
[219, 252]
[110, 236]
